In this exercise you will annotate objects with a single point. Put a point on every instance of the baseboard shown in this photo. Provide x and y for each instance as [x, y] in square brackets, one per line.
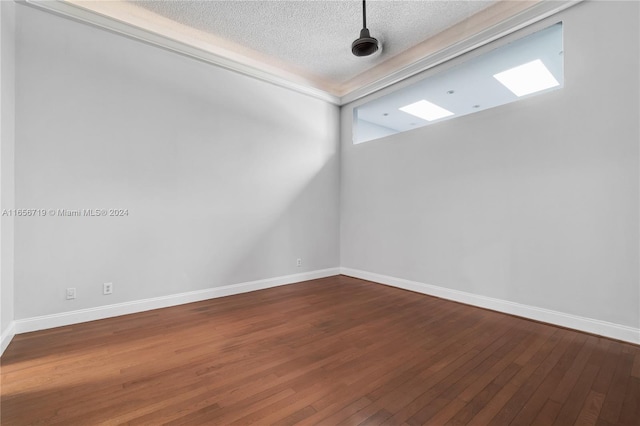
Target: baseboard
[6, 336]
[91, 314]
[589, 325]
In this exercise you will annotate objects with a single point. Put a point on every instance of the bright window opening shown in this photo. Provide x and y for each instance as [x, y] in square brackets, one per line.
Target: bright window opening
[426, 110]
[528, 78]
[530, 66]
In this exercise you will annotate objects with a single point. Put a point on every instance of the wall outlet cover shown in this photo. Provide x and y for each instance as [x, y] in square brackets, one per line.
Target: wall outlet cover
[107, 288]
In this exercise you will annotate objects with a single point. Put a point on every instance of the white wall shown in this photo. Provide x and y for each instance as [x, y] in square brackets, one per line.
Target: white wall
[227, 179]
[7, 181]
[366, 131]
[534, 202]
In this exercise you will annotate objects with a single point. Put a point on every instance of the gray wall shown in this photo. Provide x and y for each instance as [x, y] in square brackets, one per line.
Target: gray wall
[7, 147]
[535, 202]
[227, 179]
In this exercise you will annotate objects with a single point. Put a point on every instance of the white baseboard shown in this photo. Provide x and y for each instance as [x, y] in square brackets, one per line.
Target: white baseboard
[589, 325]
[6, 336]
[91, 314]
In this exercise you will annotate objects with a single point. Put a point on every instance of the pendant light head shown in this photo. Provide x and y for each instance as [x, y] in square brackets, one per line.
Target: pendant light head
[365, 45]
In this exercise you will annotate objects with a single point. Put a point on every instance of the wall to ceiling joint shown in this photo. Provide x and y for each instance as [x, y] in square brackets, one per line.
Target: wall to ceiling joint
[225, 179]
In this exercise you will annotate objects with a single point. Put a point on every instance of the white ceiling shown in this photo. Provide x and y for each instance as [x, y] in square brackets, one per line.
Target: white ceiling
[315, 36]
[306, 44]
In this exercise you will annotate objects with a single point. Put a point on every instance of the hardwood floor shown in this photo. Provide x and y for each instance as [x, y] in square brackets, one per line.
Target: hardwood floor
[334, 351]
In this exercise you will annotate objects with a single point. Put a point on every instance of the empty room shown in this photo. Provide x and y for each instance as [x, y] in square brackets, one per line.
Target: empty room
[320, 212]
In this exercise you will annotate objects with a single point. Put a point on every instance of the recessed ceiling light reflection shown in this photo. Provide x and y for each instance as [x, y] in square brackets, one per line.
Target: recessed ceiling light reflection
[426, 110]
[527, 78]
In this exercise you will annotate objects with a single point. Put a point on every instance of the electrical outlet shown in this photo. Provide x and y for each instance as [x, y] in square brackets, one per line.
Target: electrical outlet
[71, 293]
[299, 262]
[107, 288]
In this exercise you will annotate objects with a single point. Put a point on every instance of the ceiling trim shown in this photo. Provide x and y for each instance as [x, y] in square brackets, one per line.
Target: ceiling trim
[76, 13]
[475, 32]
[521, 19]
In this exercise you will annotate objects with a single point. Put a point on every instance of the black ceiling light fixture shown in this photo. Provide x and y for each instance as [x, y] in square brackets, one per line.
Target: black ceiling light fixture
[365, 45]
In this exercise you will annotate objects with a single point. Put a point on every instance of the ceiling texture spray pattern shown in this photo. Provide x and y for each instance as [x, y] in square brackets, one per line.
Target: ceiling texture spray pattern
[305, 45]
[316, 36]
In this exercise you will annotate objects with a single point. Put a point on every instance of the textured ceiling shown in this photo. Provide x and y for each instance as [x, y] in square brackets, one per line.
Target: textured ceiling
[305, 45]
[313, 38]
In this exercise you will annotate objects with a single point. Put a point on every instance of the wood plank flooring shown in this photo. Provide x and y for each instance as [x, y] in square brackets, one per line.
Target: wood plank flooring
[333, 351]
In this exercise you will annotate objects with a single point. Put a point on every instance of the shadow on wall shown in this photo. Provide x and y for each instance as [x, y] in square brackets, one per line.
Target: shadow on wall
[305, 228]
[204, 163]
[211, 165]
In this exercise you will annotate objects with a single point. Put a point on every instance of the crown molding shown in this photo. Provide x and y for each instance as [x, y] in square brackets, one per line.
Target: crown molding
[238, 64]
[491, 24]
[446, 47]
